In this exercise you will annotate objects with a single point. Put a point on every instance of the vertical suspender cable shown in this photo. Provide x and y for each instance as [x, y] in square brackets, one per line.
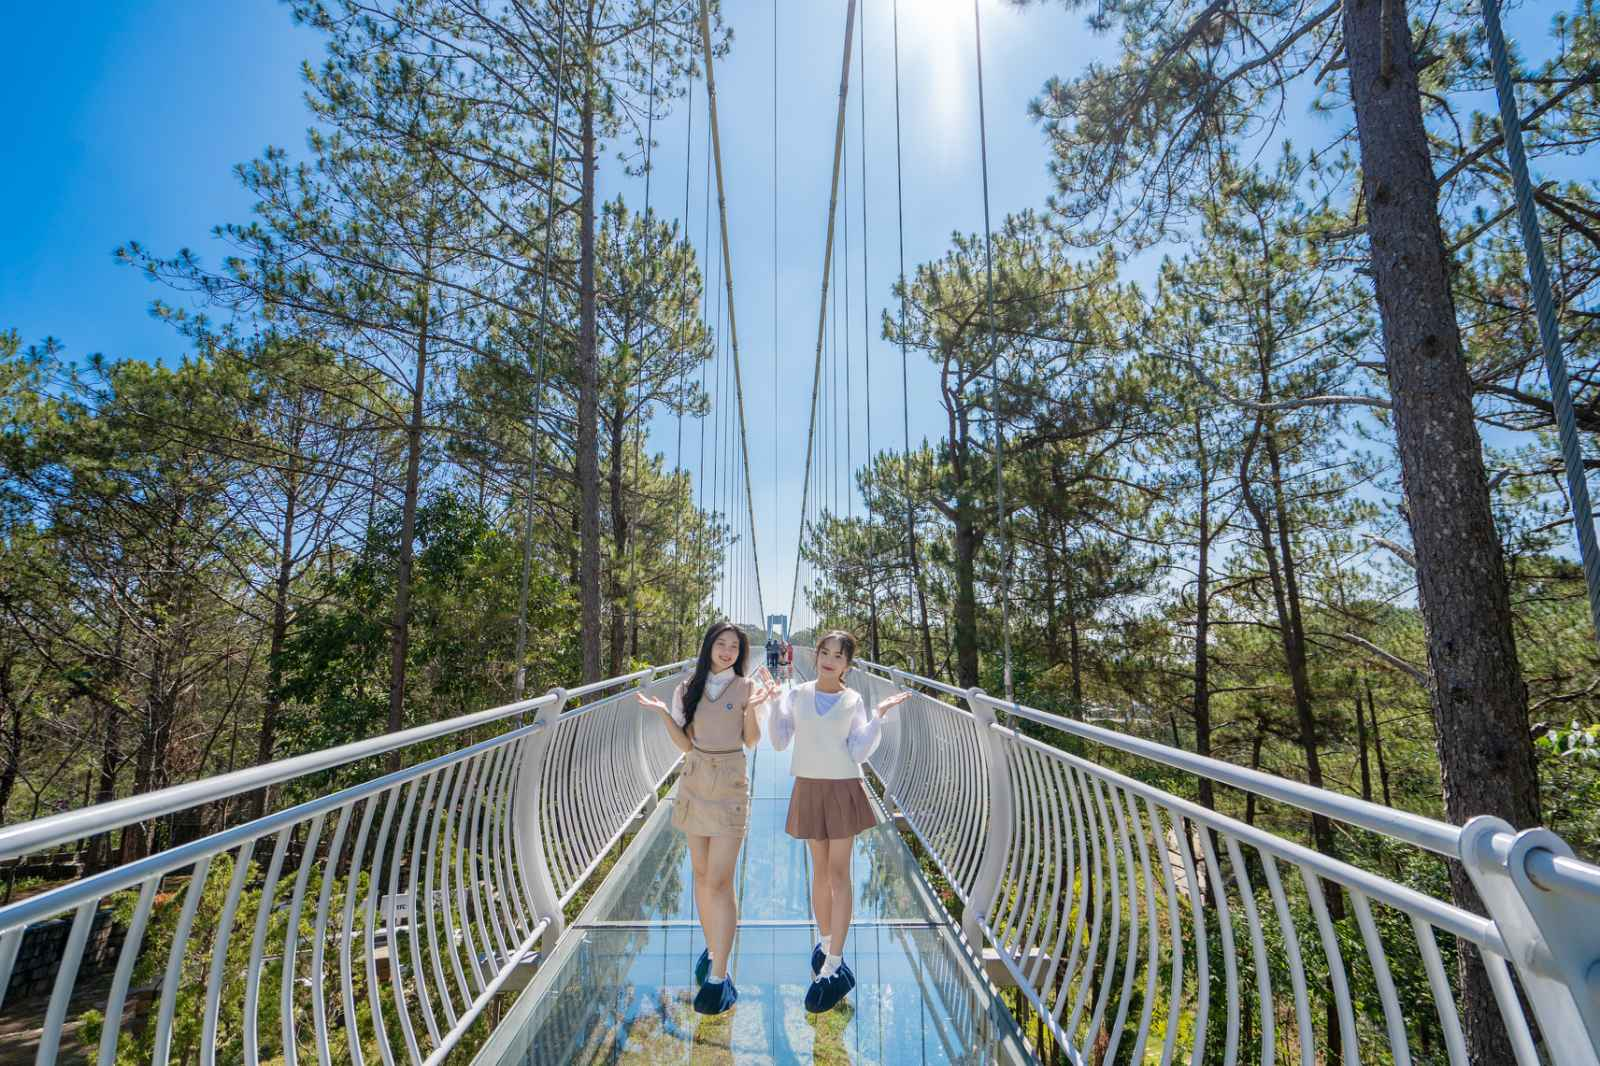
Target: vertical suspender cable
[866, 309]
[830, 440]
[849, 420]
[822, 311]
[683, 384]
[708, 532]
[1555, 363]
[774, 434]
[905, 380]
[519, 684]
[727, 271]
[994, 370]
[717, 458]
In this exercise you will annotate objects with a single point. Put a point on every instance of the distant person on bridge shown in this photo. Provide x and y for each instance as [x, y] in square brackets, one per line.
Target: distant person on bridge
[713, 720]
[788, 662]
[774, 652]
[833, 734]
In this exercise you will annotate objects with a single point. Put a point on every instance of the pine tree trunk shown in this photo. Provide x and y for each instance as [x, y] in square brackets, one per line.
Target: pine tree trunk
[1256, 742]
[1377, 747]
[400, 620]
[1361, 740]
[872, 626]
[588, 458]
[922, 608]
[13, 749]
[1202, 618]
[1285, 603]
[280, 629]
[1480, 703]
[110, 720]
[966, 543]
[616, 587]
[1074, 649]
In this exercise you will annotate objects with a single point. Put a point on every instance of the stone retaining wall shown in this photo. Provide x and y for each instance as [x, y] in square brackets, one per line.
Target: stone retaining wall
[43, 945]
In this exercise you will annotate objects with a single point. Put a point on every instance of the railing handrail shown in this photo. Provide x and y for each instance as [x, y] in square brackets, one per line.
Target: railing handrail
[1540, 901]
[25, 838]
[69, 896]
[1548, 871]
[1430, 833]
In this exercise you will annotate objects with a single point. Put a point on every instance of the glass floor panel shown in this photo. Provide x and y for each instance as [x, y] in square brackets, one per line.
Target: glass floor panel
[773, 882]
[624, 997]
[618, 988]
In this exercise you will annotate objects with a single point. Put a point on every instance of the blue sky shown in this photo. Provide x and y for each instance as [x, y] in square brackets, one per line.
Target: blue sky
[128, 118]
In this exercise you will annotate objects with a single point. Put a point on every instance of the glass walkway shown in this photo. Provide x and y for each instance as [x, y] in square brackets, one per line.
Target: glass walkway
[618, 987]
[410, 902]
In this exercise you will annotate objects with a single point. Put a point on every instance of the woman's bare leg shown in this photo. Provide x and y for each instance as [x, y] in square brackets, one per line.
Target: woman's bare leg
[719, 911]
[842, 903]
[821, 889]
[700, 864]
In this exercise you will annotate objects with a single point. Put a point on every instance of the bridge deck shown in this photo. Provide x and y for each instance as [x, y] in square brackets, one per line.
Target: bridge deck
[618, 988]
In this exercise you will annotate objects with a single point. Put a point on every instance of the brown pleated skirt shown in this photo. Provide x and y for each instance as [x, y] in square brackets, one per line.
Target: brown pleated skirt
[829, 808]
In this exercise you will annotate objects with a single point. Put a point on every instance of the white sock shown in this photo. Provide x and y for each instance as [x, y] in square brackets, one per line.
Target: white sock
[713, 979]
[830, 965]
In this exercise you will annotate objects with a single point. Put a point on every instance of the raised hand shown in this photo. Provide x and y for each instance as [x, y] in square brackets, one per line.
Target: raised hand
[898, 698]
[651, 701]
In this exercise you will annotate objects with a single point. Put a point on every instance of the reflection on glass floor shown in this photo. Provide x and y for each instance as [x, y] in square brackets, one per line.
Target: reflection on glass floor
[619, 987]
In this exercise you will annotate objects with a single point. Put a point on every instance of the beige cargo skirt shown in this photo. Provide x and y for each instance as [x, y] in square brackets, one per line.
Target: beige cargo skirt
[713, 797]
[829, 808]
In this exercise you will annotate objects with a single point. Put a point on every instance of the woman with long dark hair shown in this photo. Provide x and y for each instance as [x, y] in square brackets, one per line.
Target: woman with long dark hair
[713, 720]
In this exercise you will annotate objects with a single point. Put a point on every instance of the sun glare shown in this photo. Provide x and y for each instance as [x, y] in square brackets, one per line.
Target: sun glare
[939, 41]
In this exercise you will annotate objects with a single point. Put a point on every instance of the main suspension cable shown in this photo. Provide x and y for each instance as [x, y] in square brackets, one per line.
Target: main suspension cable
[994, 369]
[827, 264]
[1555, 363]
[727, 270]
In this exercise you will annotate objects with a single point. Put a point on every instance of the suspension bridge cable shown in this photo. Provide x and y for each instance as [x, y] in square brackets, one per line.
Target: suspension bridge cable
[866, 313]
[830, 439]
[727, 262]
[706, 530]
[827, 263]
[650, 268]
[1555, 363]
[994, 368]
[718, 464]
[776, 516]
[905, 380]
[683, 385]
[520, 681]
[849, 421]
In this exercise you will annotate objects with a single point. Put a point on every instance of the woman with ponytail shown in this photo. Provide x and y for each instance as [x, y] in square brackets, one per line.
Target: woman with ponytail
[833, 732]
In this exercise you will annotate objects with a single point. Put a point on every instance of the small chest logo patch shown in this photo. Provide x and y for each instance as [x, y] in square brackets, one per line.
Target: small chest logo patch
[730, 706]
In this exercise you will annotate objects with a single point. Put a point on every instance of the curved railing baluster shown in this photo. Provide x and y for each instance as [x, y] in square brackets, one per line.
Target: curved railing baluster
[371, 924]
[1103, 891]
[377, 922]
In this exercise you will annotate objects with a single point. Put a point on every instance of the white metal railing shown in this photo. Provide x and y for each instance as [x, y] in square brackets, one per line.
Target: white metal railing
[1144, 927]
[375, 922]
